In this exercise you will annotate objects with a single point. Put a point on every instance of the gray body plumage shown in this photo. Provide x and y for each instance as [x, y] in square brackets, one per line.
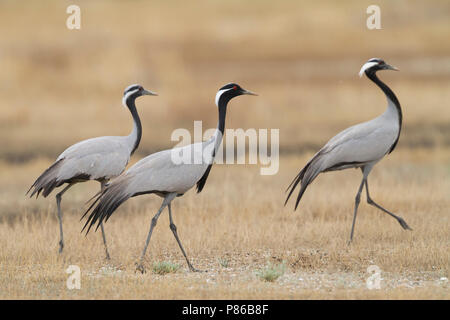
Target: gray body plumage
[169, 174]
[359, 146]
[94, 159]
[97, 159]
[157, 173]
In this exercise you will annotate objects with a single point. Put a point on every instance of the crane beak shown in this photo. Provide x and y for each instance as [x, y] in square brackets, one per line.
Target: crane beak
[389, 67]
[248, 92]
[148, 93]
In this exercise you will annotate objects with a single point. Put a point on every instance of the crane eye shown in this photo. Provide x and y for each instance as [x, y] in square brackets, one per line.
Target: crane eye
[235, 88]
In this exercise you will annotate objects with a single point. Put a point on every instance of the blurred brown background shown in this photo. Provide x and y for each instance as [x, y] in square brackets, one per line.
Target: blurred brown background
[59, 86]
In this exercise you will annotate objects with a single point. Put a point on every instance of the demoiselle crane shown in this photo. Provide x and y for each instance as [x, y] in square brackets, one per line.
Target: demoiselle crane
[98, 159]
[164, 174]
[360, 146]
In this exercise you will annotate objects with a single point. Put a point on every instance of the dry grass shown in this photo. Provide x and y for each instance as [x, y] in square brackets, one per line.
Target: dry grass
[58, 87]
[248, 227]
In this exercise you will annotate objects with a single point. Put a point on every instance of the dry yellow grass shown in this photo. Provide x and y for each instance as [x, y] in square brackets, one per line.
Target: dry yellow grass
[59, 86]
[248, 227]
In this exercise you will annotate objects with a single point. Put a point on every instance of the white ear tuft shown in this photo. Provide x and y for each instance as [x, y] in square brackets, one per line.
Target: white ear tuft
[366, 66]
[125, 97]
[219, 94]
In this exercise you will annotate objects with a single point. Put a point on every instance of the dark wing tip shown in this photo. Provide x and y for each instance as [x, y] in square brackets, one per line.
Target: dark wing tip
[202, 181]
[293, 185]
[29, 191]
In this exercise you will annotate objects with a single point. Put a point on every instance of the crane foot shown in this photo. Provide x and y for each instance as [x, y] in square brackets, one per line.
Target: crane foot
[140, 268]
[404, 224]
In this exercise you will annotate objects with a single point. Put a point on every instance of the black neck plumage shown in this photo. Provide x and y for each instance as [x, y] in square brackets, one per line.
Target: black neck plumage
[221, 127]
[222, 116]
[391, 97]
[130, 102]
[387, 91]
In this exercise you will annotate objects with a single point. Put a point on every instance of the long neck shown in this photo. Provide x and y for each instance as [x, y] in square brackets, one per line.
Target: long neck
[134, 137]
[392, 100]
[387, 91]
[222, 116]
[220, 125]
[216, 139]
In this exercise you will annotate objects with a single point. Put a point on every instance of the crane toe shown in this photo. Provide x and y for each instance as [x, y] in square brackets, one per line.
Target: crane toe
[196, 270]
[61, 246]
[404, 224]
[140, 268]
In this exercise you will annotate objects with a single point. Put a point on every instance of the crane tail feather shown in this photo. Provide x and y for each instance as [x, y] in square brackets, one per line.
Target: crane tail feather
[300, 195]
[93, 197]
[47, 181]
[106, 203]
[294, 184]
[305, 177]
[202, 181]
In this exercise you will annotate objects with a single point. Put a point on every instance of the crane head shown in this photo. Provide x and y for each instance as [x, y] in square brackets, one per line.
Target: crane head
[138, 89]
[375, 64]
[229, 91]
[134, 91]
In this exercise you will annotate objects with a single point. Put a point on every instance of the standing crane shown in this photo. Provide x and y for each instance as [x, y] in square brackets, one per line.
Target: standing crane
[163, 174]
[360, 146]
[98, 159]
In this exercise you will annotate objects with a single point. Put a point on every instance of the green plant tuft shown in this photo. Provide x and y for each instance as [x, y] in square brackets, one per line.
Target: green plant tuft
[271, 272]
[165, 267]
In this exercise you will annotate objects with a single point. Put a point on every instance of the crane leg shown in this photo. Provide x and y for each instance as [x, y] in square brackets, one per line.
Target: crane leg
[357, 200]
[166, 201]
[365, 171]
[103, 229]
[58, 204]
[104, 242]
[373, 203]
[174, 230]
